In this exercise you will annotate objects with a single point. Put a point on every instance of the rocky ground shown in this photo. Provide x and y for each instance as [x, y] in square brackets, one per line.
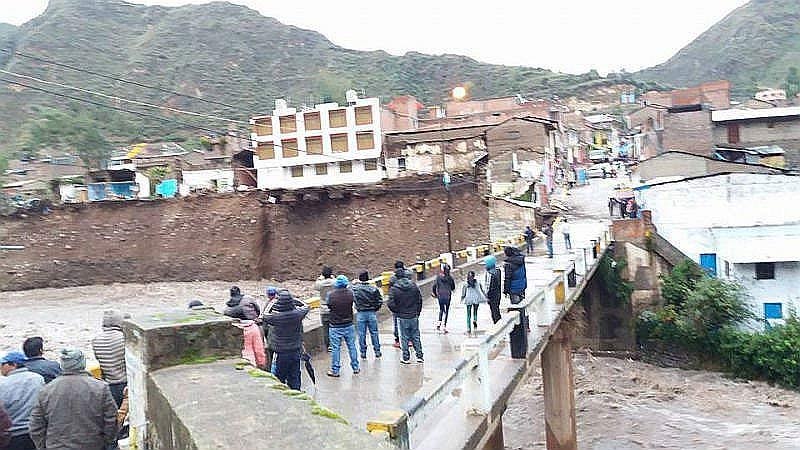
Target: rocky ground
[629, 405]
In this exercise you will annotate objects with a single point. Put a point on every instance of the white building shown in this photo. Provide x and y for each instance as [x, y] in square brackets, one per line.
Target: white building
[328, 145]
[743, 227]
[770, 95]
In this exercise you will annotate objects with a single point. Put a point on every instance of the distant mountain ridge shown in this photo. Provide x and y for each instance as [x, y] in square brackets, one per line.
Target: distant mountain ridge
[231, 54]
[753, 47]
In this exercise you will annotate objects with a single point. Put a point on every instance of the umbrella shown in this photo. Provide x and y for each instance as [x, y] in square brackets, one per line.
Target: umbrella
[306, 358]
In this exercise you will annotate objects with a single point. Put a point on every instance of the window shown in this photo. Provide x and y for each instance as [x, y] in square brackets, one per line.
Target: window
[727, 269]
[265, 150]
[363, 115]
[345, 167]
[708, 261]
[765, 271]
[773, 310]
[401, 164]
[365, 141]
[337, 118]
[312, 121]
[733, 133]
[289, 147]
[659, 120]
[263, 127]
[288, 124]
[370, 164]
[339, 143]
[314, 145]
[297, 171]
[321, 169]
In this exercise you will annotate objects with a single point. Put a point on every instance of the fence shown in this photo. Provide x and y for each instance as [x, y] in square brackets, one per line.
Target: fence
[470, 374]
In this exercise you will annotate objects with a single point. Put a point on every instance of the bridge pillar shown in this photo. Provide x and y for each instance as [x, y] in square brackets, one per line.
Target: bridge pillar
[494, 439]
[559, 393]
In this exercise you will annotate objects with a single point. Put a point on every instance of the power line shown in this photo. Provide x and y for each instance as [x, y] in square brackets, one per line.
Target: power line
[113, 77]
[122, 99]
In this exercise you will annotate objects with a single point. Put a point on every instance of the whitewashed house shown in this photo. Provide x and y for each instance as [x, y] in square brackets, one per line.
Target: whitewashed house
[324, 146]
[738, 226]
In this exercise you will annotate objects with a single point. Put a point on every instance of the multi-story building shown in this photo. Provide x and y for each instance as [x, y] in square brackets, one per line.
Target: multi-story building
[748, 128]
[324, 146]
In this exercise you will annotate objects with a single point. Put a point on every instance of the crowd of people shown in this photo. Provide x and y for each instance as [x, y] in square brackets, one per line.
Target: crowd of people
[48, 404]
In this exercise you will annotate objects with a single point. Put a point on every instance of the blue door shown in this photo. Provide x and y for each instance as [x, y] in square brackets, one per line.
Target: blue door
[708, 261]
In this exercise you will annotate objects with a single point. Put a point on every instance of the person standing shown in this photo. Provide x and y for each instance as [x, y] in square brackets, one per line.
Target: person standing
[324, 285]
[5, 425]
[514, 285]
[472, 295]
[272, 297]
[19, 388]
[611, 202]
[253, 346]
[547, 229]
[35, 362]
[286, 335]
[493, 288]
[398, 265]
[240, 306]
[368, 301]
[340, 301]
[443, 289]
[109, 350]
[405, 301]
[565, 230]
[529, 235]
[75, 411]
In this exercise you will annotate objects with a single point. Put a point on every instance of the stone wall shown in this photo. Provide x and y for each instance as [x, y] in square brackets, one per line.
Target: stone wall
[236, 236]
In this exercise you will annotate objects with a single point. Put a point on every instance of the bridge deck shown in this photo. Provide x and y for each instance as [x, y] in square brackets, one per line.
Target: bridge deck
[385, 384]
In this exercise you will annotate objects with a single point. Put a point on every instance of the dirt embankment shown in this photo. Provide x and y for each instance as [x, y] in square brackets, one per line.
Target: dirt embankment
[233, 237]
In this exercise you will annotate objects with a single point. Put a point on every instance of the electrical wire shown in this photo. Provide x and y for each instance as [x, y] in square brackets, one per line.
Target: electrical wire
[113, 77]
[121, 99]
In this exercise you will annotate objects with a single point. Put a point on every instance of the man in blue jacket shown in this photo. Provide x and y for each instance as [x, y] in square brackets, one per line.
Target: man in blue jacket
[34, 349]
[515, 283]
[19, 388]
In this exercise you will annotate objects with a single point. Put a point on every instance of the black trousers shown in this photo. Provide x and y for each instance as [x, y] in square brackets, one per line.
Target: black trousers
[494, 306]
[21, 442]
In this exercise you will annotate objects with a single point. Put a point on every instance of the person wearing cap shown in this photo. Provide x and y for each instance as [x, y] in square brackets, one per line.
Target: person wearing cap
[368, 300]
[34, 349]
[19, 388]
[75, 411]
[493, 288]
[109, 351]
[286, 337]
[340, 302]
[272, 297]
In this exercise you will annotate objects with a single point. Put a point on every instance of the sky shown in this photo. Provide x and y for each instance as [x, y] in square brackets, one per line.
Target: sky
[565, 35]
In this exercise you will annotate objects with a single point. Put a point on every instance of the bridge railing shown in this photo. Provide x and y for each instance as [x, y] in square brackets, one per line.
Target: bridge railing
[471, 374]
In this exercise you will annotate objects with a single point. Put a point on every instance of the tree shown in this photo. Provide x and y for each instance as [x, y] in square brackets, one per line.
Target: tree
[792, 85]
[76, 133]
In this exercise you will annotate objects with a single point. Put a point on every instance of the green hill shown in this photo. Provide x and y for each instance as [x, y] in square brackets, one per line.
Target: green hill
[227, 53]
[753, 46]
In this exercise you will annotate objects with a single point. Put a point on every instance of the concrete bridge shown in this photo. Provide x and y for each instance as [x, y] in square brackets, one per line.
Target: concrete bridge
[187, 394]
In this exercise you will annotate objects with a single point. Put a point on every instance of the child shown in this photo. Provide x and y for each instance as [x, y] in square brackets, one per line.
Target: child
[472, 295]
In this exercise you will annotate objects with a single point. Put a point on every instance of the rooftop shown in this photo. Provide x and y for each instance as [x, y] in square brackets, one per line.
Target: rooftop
[746, 114]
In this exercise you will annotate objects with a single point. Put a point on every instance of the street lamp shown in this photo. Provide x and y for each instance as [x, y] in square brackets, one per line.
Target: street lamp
[459, 93]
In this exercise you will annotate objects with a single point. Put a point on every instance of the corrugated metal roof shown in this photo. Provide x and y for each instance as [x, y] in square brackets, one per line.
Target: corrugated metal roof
[725, 115]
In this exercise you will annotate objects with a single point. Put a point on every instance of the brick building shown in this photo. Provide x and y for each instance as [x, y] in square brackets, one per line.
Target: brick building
[749, 128]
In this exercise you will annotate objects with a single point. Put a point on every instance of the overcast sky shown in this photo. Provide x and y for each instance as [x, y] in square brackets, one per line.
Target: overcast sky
[564, 35]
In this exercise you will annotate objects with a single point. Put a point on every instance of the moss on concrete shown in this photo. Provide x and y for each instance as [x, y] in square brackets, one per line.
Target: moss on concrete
[322, 411]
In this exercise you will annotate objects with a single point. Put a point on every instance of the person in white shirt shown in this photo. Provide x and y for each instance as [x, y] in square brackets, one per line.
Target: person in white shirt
[565, 229]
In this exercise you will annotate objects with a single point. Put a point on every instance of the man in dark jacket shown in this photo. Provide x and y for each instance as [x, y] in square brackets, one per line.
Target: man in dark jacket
[515, 283]
[286, 338]
[5, 425]
[75, 411]
[241, 307]
[493, 288]
[34, 349]
[398, 265]
[368, 301]
[405, 301]
[340, 302]
[529, 235]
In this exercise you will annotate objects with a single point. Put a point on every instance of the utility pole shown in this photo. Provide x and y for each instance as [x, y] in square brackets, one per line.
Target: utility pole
[446, 183]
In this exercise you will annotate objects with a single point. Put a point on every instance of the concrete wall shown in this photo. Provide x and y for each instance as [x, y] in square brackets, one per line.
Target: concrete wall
[673, 164]
[776, 131]
[236, 236]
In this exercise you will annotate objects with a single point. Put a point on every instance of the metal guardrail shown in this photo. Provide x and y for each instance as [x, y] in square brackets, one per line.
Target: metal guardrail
[471, 374]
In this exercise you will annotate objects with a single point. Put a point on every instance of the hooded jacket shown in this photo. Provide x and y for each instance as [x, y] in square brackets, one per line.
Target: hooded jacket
[242, 307]
[405, 299]
[444, 286]
[367, 297]
[286, 322]
[74, 412]
[109, 349]
[516, 279]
